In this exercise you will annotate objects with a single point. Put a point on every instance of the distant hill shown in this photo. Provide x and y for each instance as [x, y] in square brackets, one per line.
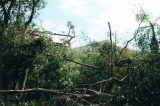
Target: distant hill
[94, 45]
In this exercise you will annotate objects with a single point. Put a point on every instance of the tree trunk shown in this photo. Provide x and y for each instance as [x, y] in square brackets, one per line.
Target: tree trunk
[25, 78]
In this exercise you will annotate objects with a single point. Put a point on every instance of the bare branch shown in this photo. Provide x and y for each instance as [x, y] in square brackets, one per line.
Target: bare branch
[25, 78]
[59, 92]
[111, 43]
[40, 90]
[34, 33]
[84, 100]
[110, 80]
[76, 62]
[135, 34]
[110, 33]
[37, 33]
[99, 93]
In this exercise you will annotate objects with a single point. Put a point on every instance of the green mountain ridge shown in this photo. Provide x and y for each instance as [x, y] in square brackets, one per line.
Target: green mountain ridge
[94, 45]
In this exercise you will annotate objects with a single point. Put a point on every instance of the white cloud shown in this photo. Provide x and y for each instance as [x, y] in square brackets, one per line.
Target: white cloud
[78, 7]
[48, 24]
[120, 13]
[54, 26]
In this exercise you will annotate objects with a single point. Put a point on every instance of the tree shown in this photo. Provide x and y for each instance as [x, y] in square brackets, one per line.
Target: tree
[147, 35]
[154, 46]
[19, 14]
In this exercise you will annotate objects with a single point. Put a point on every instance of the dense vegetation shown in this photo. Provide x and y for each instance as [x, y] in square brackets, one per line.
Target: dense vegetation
[35, 70]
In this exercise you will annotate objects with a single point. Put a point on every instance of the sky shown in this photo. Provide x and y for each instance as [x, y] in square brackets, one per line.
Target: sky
[90, 18]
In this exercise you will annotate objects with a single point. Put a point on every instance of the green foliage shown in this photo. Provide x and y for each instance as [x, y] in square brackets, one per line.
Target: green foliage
[142, 16]
[147, 36]
[19, 11]
[29, 61]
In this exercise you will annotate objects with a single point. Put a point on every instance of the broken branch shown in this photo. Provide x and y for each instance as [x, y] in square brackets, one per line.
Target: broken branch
[110, 80]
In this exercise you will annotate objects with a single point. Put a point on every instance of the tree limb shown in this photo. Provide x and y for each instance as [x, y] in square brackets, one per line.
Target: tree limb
[135, 34]
[37, 33]
[110, 80]
[25, 78]
[76, 62]
[59, 92]
[110, 34]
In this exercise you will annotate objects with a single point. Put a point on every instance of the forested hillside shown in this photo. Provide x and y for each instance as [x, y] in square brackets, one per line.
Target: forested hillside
[37, 71]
